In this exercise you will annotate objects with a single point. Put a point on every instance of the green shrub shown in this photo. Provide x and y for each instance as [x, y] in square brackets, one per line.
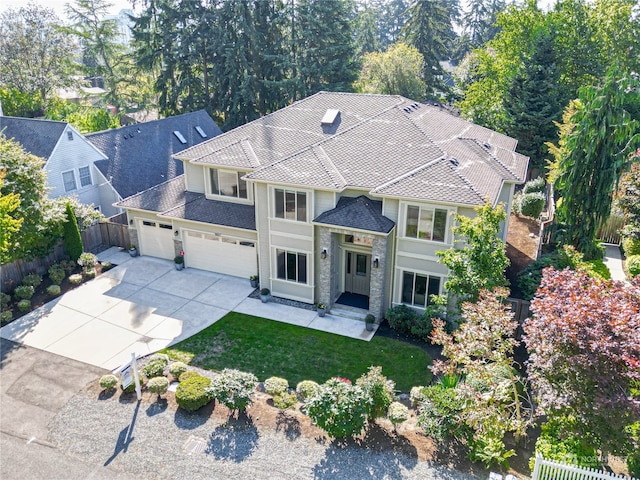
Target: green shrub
[56, 273]
[33, 279]
[5, 299]
[71, 234]
[106, 265]
[6, 316]
[276, 386]
[557, 443]
[69, 266]
[439, 413]
[89, 273]
[191, 393]
[515, 205]
[75, 279]
[187, 375]
[158, 385]
[154, 368]
[177, 368]
[53, 290]
[306, 389]
[633, 464]
[633, 265]
[234, 389]
[379, 389]
[285, 400]
[533, 186]
[397, 413]
[405, 320]
[598, 269]
[108, 382]
[339, 408]
[160, 357]
[24, 292]
[417, 396]
[24, 305]
[631, 246]
[87, 261]
[531, 204]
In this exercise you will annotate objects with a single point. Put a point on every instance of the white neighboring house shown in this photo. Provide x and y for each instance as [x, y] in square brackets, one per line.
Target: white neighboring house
[69, 160]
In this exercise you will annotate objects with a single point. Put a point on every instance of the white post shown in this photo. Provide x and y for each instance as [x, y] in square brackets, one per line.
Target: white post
[136, 378]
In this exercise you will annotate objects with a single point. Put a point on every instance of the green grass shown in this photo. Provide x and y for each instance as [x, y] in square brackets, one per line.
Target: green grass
[267, 348]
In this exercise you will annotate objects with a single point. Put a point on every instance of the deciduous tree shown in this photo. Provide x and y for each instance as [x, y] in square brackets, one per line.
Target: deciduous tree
[585, 354]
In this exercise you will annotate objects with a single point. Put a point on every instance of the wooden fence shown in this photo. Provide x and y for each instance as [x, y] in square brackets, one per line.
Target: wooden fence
[549, 470]
[609, 232]
[97, 236]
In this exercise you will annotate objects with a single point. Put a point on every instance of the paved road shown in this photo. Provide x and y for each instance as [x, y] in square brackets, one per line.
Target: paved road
[34, 385]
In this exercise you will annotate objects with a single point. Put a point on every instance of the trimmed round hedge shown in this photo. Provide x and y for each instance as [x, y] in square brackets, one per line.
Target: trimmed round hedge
[191, 393]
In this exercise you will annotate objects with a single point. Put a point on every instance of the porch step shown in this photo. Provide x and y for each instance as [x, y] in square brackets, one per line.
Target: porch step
[345, 311]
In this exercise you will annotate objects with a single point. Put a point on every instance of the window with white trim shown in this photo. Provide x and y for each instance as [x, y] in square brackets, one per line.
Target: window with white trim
[417, 288]
[227, 183]
[69, 180]
[291, 205]
[426, 223]
[85, 176]
[292, 266]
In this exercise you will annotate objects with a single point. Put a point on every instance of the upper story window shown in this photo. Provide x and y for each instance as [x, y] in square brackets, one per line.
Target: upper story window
[69, 135]
[69, 180]
[291, 205]
[228, 183]
[426, 223]
[85, 176]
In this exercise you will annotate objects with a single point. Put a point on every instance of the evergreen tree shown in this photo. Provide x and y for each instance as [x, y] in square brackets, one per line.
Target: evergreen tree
[428, 28]
[533, 102]
[593, 158]
[393, 15]
[366, 31]
[324, 46]
[71, 235]
[479, 20]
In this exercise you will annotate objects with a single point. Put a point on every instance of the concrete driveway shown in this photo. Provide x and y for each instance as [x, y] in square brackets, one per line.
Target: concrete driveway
[142, 305]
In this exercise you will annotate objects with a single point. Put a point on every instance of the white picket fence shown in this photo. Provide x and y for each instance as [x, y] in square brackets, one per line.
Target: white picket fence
[549, 470]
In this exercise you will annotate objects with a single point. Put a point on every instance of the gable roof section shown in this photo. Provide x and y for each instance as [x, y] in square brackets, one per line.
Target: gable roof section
[170, 200]
[360, 213]
[38, 137]
[140, 155]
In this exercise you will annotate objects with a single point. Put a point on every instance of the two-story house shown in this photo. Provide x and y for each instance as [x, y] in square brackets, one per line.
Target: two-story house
[335, 198]
[69, 158]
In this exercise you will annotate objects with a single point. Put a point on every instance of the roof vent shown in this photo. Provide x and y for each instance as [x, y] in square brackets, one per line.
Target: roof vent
[454, 161]
[330, 117]
[487, 145]
[139, 131]
[200, 131]
[415, 106]
[179, 137]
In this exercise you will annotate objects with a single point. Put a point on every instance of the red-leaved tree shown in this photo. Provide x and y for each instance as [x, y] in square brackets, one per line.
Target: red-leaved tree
[584, 341]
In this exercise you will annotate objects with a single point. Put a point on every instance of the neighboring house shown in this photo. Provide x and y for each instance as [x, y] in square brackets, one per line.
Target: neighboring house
[138, 157]
[69, 158]
[338, 198]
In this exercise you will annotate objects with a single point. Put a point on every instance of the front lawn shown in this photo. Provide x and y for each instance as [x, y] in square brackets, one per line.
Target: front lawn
[268, 348]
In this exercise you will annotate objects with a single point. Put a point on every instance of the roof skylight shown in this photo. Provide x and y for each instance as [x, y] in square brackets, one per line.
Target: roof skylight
[179, 136]
[200, 131]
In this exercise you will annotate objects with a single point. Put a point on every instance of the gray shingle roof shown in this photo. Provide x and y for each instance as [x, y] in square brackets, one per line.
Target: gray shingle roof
[170, 199]
[384, 143]
[140, 155]
[361, 213]
[38, 137]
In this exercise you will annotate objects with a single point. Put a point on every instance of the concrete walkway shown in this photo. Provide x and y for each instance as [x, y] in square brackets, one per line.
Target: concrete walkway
[144, 305]
[613, 260]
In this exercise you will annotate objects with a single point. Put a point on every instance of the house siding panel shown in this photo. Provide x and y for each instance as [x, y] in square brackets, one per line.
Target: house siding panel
[261, 195]
[324, 201]
[390, 208]
[194, 177]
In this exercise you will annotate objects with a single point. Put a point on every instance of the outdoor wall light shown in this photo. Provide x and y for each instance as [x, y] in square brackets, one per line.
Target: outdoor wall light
[131, 222]
[323, 254]
[176, 233]
[376, 262]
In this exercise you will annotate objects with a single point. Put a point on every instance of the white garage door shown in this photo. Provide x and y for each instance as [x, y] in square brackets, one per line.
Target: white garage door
[220, 254]
[156, 239]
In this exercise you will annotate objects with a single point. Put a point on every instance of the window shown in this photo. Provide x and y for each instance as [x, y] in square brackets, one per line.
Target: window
[292, 266]
[69, 135]
[291, 205]
[69, 180]
[418, 288]
[426, 223]
[228, 183]
[85, 176]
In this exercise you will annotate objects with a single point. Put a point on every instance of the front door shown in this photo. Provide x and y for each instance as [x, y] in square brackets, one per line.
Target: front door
[357, 273]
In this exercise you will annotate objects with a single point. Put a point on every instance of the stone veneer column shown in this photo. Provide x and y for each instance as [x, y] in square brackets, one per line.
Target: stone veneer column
[377, 281]
[177, 246]
[325, 266]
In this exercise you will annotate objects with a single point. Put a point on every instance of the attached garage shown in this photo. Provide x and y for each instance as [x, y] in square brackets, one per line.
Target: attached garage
[156, 239]
[220, 253]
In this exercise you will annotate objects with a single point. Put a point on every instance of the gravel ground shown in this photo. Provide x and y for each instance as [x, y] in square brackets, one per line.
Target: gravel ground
[152, 440]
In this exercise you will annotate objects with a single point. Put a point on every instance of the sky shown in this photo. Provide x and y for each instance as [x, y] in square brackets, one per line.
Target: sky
[58, 6]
